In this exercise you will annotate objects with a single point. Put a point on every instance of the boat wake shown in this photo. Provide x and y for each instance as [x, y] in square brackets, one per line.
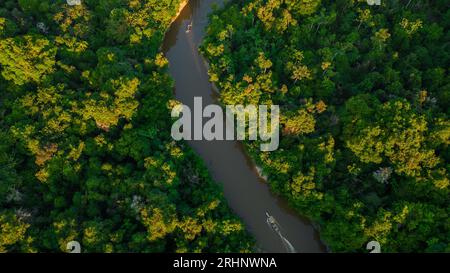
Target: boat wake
[275, 226]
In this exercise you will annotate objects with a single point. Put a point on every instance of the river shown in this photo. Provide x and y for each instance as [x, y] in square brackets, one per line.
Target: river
[247, 194]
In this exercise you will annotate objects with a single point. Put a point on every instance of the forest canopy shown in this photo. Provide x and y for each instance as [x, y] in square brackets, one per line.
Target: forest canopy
[364, 94]
[85, 151]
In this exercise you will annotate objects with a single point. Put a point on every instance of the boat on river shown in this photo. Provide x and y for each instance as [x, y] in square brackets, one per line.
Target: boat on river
[272, 222]
[227, 161]
[275, 226]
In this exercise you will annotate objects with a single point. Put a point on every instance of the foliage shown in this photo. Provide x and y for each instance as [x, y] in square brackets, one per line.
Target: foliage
[364, 96]
[86, 153]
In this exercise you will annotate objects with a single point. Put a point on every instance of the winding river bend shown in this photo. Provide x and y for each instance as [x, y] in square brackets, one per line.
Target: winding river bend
[245, 191]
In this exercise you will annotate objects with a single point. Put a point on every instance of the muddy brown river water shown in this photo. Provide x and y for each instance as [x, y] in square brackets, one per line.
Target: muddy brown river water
[247, 194]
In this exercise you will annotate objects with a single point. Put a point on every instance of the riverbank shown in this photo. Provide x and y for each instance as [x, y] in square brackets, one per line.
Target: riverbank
[243, 188]
[258, 169]
[183, 4]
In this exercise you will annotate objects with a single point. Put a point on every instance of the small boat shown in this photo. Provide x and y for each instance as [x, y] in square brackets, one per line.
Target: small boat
[277, 228]
[272, 222]
[189, 28]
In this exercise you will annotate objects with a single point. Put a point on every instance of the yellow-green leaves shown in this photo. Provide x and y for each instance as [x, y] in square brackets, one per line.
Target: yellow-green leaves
[13, 234]
[26, 58]
[107, 110]
[411, 27]
[397, 135]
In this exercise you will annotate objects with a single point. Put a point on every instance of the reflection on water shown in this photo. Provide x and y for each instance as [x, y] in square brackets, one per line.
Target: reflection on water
[227, 162]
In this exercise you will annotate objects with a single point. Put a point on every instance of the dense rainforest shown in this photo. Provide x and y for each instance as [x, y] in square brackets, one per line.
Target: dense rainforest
[364, 96]
[85, 146]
